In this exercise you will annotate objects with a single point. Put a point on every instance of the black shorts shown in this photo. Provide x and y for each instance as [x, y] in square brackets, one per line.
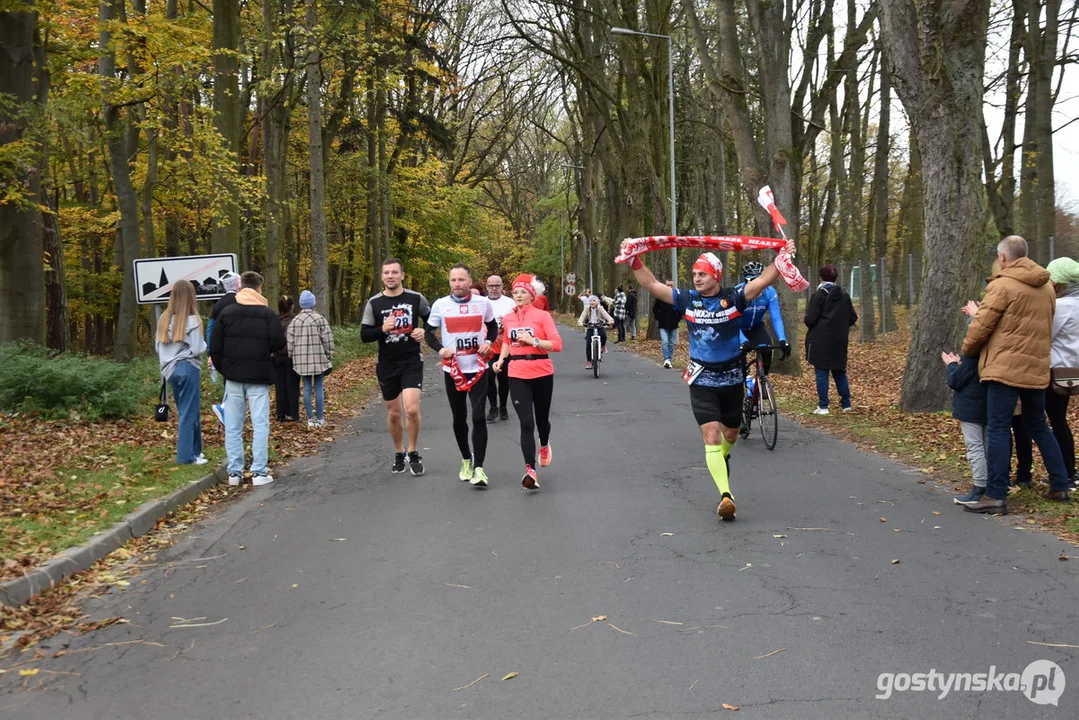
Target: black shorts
[717, 404]
[398, 376]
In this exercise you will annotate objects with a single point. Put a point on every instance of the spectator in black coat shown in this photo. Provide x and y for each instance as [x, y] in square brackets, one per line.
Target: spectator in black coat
[631, 312]
[829, 317]
[667, 321]
[244, 340]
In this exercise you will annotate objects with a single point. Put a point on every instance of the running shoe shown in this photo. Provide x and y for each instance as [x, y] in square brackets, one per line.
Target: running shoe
[976, 493]
[545, 455]
[466, 470]
[262, 479]
[398, 463]
[415, 463]
[236, 479]
[492, 414]
[479, 477]
[588, 365]
[529, 481]
[503, 414]
[219, 411]
[726, 507]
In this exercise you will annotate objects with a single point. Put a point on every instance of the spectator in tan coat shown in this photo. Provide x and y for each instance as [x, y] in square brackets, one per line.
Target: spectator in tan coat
[1011, 332]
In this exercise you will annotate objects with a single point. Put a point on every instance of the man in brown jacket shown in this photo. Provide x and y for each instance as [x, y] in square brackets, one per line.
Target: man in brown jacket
[1010, 333]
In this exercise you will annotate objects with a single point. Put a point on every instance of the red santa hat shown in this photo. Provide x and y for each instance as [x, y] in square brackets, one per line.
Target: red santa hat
[530, 283]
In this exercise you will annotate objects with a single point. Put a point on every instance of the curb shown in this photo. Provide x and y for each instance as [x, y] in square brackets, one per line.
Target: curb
[138, 522]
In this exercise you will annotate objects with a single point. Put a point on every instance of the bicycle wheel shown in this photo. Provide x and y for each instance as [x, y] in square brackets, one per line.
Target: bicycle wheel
[597, 355]
[769, 417]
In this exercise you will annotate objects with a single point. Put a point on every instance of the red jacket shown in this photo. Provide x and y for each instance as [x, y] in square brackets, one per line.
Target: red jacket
[541, 325]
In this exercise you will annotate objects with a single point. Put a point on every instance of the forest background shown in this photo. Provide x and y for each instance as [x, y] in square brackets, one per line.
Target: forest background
[314, 138]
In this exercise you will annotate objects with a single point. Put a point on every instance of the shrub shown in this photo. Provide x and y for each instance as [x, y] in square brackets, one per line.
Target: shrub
[34, 382]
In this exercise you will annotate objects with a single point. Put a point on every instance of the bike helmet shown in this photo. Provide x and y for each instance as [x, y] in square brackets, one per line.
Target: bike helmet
[752, 270]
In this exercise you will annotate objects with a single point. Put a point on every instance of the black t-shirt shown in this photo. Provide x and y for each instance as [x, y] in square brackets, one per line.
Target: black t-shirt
[407, 309]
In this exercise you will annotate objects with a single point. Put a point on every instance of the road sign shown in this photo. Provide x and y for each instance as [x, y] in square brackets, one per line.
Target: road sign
[571, 290]
[571, 278]
[154, 277]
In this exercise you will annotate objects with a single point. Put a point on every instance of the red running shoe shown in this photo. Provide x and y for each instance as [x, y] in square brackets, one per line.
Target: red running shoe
[529, 481]
[545, 455]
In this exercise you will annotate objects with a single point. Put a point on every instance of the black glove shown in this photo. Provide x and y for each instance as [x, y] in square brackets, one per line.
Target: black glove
[746, 347]
[786, 347]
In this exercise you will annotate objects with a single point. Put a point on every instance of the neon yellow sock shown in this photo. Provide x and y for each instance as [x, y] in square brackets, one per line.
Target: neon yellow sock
[726, 445]
[717, 465]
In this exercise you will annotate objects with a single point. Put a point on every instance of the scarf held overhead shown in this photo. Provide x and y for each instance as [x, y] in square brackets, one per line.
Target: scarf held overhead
[632, 247]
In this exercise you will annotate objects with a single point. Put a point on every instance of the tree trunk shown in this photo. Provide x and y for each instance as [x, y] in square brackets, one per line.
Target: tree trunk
[228, 117]
[116, 123]
[22, 272]
[880, 191]
[1042, 63]
[275, 109]
[57, 324]
[942, 93]
[320, 278]
[853, 210]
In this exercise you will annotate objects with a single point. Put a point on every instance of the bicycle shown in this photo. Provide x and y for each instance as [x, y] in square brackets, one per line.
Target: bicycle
[760, 400]
[597, 346]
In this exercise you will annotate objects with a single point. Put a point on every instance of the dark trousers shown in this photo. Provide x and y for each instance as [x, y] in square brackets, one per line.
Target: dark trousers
[588, 341]
[1024, 451]
[1000, 401]
[287, 389]
[498, 387]
[476, 396]
[620, 326]
[1056, 407]
[532, 401]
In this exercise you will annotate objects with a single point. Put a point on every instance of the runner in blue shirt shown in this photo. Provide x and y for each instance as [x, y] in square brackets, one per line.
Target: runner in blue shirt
[752, 320]
[714, 373]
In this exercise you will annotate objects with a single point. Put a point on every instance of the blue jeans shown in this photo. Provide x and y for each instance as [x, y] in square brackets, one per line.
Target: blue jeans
[841, 386]
[258, 398]
[667, 340]
[1000, 401]
[187, 394]
[308, 381]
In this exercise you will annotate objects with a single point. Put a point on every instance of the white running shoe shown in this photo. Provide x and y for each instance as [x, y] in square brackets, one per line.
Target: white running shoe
[821, 411]
[264, 479]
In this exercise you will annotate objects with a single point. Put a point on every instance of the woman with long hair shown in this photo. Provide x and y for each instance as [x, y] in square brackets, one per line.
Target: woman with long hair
[288, 382]
[180, 344]
[529, 334]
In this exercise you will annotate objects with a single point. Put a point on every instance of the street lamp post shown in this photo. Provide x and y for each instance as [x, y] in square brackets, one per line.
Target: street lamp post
[562, 237]
[670, 113]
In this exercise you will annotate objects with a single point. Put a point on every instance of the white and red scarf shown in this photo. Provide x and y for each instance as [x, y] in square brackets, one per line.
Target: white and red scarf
[632, 247]
[460, 380]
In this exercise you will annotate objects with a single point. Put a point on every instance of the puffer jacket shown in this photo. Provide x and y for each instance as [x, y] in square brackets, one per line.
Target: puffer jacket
[1013, 329]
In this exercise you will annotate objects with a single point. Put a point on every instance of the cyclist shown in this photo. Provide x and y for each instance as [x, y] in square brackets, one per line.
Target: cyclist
[752, 320]
[596, 319]
[392, 318]
[715, 351]
[468, 327]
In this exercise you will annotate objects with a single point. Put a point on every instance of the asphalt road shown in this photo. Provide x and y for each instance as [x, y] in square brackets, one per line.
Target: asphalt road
[343, 591]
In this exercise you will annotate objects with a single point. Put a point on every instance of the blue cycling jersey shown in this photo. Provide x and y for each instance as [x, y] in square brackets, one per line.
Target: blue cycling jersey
[767, 301]
[714, 332]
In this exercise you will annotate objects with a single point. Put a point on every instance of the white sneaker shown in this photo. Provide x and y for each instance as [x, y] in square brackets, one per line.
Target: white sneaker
[847, 409]
[667, 364]
[312, 423]
[200, 460]
[235, 480]
[262, 480]
[821, 411]
[320, 422]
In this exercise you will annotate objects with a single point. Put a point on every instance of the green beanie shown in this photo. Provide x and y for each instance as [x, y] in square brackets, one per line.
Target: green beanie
[1063, 271]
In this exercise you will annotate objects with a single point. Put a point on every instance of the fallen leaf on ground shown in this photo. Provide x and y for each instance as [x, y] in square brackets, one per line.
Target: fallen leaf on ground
[730, 707]
[666, 535]
[29, 672]
[937, 512]
[510, 676]
[895, 562]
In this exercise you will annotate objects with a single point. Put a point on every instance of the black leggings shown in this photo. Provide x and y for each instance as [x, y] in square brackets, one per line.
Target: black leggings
[1056, 407]
[529, 394]
[759, 336]
[499, 390]
[459, 402]
[1024, 450]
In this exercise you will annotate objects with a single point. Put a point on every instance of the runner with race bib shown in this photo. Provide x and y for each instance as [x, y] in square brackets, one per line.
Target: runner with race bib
[467, 324]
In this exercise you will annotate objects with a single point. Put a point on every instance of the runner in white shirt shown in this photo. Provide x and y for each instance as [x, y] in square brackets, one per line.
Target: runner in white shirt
[467, 325]
[498, 384]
